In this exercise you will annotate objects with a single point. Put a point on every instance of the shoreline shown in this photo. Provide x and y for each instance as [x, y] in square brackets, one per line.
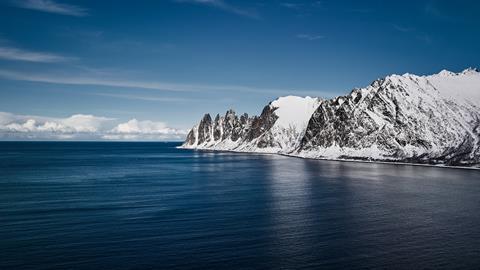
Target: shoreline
[338, 159]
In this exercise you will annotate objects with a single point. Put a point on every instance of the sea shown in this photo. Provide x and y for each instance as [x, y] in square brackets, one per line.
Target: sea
[149, 205]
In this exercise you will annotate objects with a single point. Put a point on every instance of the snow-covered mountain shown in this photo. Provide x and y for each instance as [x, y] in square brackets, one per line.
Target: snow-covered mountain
[280, 128]
[404, 118]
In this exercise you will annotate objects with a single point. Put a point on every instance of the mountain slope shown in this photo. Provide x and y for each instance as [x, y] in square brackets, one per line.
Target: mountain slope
[279, 128]
[423, 119]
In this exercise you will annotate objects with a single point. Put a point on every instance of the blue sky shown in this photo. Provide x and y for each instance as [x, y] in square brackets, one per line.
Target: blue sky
[162, 64]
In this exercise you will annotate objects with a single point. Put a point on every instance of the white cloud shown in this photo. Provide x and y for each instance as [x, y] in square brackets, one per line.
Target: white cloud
[52, 7]
[16, 54]
[78, 123]
[83, 127]
[85, 123]
[142, 127]
[144, 130]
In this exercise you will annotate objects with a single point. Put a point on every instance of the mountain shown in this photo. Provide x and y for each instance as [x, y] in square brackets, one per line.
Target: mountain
[401, 118]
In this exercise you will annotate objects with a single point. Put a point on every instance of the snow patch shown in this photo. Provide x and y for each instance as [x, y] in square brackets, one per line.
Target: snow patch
[293, 111]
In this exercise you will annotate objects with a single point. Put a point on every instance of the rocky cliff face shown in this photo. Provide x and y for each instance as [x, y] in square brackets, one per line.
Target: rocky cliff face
[423, 119]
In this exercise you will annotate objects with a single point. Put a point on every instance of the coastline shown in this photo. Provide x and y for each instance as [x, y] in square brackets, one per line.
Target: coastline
[336, 159]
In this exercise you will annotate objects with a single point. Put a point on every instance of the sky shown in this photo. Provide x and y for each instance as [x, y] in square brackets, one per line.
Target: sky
[149, 70]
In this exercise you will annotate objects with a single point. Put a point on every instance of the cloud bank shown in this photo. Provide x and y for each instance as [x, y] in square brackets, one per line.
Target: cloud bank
[83, 127]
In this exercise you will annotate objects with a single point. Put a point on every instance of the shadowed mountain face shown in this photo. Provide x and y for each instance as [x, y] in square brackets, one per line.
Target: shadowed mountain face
[423, 119]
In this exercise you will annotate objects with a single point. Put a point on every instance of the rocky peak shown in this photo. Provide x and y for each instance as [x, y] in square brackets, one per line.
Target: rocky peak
[204, 128]
[470, 71]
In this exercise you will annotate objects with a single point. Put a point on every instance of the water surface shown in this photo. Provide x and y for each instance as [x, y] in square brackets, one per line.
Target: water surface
[91, 205]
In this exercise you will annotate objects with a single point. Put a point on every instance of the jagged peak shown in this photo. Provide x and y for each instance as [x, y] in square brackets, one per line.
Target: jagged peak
[395, 78]
[230, 111]
[206, 118]
[470, 70]
[443, 73]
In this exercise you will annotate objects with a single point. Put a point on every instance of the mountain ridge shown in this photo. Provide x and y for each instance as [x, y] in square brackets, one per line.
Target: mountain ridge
[433, 119]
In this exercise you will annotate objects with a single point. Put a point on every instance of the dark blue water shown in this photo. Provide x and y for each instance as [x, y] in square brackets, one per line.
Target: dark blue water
[148, 205]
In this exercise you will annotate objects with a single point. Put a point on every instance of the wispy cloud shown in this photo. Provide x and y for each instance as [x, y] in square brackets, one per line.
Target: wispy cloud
[302, 10]
[11, 53]
[309, 37]
[433, 10]
[52, 7]
[413, 33]
[161, 99]
[145, 98]
[291, 5]
[152, 85]
[402, 28]
[299, 6]
[361, 10]
[220, 4]
[436, 10]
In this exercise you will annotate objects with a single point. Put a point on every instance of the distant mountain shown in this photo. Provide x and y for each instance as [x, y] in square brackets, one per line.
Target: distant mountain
[402, 118]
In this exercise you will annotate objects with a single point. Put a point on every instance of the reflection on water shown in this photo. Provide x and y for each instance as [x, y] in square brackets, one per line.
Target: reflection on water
[289, 189]
[147, 205]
